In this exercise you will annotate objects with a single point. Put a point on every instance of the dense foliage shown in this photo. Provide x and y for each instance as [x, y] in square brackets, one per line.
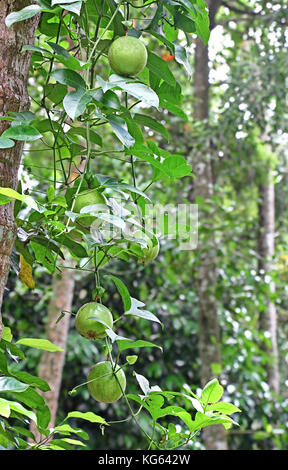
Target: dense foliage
[131, 140]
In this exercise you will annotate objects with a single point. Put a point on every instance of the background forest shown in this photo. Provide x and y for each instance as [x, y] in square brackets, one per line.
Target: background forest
[220, 308]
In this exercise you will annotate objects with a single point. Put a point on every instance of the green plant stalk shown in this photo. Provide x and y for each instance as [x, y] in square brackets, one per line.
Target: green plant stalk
[127, 401]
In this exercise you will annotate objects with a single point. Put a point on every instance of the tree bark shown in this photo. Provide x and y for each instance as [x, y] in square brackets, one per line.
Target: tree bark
[266, 250]
[51, 364]
[209, 332]
[14, 71]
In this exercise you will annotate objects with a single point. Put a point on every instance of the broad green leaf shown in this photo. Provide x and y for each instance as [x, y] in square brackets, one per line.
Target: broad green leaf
[76, 249]
[23, 132]
[74, 7]
[160, 68]
[69, 78]
[31, 380]
[4, 408]
[119, 128]
[212, 392]
[223, 407]
[75, 103]
[15, 406]
[43, 344]
[21, 15]
[67, 429]
[202, 22]
[143, 383]
[181, 58]
[88, 416]
[9, 384]
[117, 22]
[6, 143]
[134, 88]
[6, 334]
[123, 291]
[150, 122]
[11, 193]
[135, 311]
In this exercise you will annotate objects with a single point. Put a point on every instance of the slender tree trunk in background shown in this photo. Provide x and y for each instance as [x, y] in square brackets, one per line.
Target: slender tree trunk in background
[14, 70]
[209, 332]
[51, 364]
[266, 249]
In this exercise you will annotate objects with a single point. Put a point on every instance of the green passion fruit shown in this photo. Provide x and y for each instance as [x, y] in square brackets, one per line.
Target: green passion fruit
[83, 199]
[103, 382]
[88, 198]
[127, 56]
[87, 320]
[152, 250]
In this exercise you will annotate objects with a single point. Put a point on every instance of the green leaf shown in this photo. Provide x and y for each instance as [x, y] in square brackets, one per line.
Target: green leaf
[123, 291]
[11, 193]
[202, 22]
[212, 392]
[6, 143]
[127, 344]
[69, 78]
[74, 7]
[181, 58]
[88, 416]
[119, 128]
[15, 406]
[23, 132]
[143, 383]
[131, 359]
[148, 121]
[223, 407]
[135, 311]
[31, 380]
[4, 408]
[75, 248]
[134, 88]
[43, 344]
[160, 68]
[9, 384]
[75, 103]
[117, 22]
[24, 14]
[67, 429]
[6, 334]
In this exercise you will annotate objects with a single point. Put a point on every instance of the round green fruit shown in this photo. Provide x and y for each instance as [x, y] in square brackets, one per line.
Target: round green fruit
[87, 198]
[87, 320]
[152, 250]
[82, 224]
[127, 56]
[103, 382]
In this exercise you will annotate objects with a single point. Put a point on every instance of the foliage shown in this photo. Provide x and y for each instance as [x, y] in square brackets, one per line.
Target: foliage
[79, 100]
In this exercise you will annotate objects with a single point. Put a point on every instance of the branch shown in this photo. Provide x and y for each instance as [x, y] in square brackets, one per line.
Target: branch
[239, 10]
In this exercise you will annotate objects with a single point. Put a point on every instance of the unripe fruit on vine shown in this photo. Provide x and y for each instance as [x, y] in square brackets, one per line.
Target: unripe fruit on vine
[103, 382]
[151, 251]
[88, 198]
[87, 320]
[127, 56]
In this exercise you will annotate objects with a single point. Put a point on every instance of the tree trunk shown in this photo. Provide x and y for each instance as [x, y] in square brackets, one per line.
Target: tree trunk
[266, 248]
[14, 70]
[209, 334]
[51, 364]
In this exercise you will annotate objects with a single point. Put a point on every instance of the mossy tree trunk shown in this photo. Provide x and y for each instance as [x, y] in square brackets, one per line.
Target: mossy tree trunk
[14, 71]
[209, 332]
